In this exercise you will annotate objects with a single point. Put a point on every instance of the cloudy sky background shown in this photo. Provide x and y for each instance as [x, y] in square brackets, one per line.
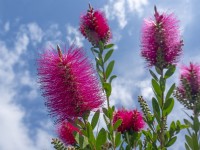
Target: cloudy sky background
[27, 27]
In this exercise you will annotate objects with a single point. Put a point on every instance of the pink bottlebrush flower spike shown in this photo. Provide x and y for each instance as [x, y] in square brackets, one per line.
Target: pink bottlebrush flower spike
[69, 84]
[188, 91]
[94, 27]
[65, 132]
[131, 119]
[161, 43]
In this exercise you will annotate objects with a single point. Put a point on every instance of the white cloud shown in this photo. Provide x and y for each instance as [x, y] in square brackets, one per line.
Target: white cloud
[7, 26]
[74, 36]
[122, 93]
[121, 9]
[136, 5]
[116, 10]
[36, 33]
[14, 132]
[52, 36]
[145, 89]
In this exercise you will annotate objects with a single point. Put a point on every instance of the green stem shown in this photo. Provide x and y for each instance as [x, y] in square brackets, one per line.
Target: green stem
[107, 97]
[162, 138]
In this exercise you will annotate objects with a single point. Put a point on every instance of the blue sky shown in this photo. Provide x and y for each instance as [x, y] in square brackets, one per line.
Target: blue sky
[28, 27]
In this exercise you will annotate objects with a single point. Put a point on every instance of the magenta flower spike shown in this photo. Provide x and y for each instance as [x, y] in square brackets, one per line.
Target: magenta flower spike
[94, 27]
[65, 132]
[161, 43]
[131, 119]
[69, 84]
[188, 91]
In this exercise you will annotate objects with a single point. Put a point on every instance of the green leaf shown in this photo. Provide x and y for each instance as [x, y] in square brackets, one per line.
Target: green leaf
[99, 61]
[171, 141]
[108, 54]
[81, 140]
[171, 90]
[187, 147]
[108, 88]
[109, 68]
[90, 135]
[168, 106]
[106, 119]
[101, 46]
[95, 119]
[105, 111]
[156, 109]
[108, 46]
[170, 71]
[111, 78]
[189, 141]
[94, 50]
[117, 124]
[101, 138]
[110, 113]
[196, 124]
[153, 75]
[172, 128]
[195, 141]
[117, 139]
[158, 70]
[156, 87]
[187, 122]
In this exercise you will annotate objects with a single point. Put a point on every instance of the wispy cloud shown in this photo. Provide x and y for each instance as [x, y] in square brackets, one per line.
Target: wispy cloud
[15, 134]
[121, 10]
[74, 36]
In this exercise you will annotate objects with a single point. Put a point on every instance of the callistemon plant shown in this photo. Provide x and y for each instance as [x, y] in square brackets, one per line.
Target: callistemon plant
[161, 46]
[94, 27]
[131, 125]
[65, 131]
[69, 84]
[188, 94]
[131, 120]
[161, 43]
[72, 91]
[188, 91]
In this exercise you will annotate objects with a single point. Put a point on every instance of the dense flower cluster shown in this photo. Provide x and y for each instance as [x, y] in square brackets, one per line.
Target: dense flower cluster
[188, 91]
[65, 132]
[94, 27]
[161, 44]
[131, 119]
[69, 83]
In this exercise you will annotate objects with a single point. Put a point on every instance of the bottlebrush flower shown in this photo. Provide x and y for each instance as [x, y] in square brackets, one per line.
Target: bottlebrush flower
[69, 84]
[93, 25]
[65, 132]
[188, 91]
[131, 119]
[161, 44]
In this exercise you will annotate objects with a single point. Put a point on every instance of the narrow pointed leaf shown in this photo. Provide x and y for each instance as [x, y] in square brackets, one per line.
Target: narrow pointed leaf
[117, 139]
[189, 141]
[171, 90]
[95, 119]
[109, 68]
[109, 46]
[168, 106]
[156, 109]
[108, 54]
[153, 75]
[156, 87]
[171, 141]
[111, 78]
[117, 124]
[170, 72]
[101, 138]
